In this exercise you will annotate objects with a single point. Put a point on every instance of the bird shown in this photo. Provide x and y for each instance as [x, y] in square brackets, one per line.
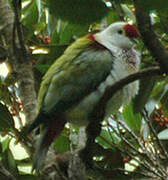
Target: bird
[76, 81]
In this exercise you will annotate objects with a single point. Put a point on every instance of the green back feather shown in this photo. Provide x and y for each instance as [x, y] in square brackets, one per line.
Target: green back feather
[62, 63]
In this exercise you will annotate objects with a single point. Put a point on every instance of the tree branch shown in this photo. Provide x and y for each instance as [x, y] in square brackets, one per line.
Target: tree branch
[97, 115]
[7, 19]
[149, 37]
[22, 67]
[99, 109]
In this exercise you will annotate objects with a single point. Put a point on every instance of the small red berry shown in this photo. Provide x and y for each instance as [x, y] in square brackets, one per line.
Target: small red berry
[20, 103]
[161, 123]
[165, 119]
[157, 119]
[33, 62]
[47, 40]
[126, 159]
[3, 134]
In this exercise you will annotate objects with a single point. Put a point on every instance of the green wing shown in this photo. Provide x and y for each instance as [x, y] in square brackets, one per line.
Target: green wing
[78, 72]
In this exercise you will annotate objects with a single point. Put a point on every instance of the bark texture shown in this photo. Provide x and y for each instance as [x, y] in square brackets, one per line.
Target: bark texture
[21, 63]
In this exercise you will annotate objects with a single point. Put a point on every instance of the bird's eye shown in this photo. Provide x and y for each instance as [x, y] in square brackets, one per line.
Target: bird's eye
[120, 31]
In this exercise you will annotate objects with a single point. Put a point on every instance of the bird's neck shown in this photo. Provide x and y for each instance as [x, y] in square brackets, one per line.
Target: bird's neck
[106, 42]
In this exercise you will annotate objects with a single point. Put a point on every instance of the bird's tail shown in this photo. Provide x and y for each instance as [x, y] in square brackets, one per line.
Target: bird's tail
[52, 127]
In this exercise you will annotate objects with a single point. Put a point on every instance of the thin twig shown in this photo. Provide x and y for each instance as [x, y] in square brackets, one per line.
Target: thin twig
[143, 155]
[132, 134]
[6, 173]
[146, 165]
[155, 134]
[138, 173]
[149, 156]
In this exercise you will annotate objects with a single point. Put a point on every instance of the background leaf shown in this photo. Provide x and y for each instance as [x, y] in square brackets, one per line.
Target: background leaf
[9, 162]
[6, 119]
[133, 120]
[146, 86]
[78, 11]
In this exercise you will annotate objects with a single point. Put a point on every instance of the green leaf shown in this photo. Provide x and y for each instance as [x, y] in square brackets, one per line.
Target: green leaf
[62, 144]
[6, 119]
[5, 94]
[112, 17]
[24, 162]
[145, 89]
[71, 30]
[5, 144]
[109, 137]
[42, 68]
[29, 177]
[55, 37]
[55, 52]
[78, 11]
[160, 5]
[133, 120]
[30, 19]
[9, 162]
[159, 90]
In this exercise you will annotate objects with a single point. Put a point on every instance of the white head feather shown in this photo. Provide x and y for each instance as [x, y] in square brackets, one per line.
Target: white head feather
[115, 36]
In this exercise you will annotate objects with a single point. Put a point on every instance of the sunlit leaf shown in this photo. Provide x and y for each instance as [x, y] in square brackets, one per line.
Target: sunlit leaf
[132, 119]
[39, 7]
[150, 106]
[145, 131]
[30, 17]
[163, 135]
[128, 12]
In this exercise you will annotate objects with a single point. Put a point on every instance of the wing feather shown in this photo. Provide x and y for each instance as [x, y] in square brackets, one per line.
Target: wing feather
[74, 75]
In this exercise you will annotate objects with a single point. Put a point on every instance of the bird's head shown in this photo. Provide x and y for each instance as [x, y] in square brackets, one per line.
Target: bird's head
[119, 34]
